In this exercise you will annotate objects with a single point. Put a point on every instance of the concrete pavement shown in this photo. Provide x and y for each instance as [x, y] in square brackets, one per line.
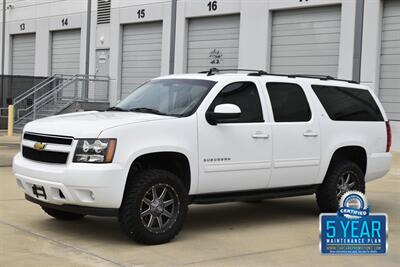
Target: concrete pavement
[282, 232]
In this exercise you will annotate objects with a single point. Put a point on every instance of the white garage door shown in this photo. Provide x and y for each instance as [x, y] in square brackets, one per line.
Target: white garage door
[213, 42]
[65, 52]
[141, 55]
[389, 92]
[23, 54]
[306, 41]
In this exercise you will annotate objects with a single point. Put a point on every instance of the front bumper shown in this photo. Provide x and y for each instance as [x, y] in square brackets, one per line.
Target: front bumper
[75, 209]
[80, 184]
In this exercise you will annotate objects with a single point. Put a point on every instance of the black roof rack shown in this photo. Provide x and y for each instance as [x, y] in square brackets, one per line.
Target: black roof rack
[213, 71]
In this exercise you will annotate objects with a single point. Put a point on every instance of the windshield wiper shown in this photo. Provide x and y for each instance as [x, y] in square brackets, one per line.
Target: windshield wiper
[116, 109]
[148, 110]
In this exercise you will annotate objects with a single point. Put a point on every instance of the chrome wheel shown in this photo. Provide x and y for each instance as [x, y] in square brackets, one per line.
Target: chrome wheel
[159, 208]
[346, 182]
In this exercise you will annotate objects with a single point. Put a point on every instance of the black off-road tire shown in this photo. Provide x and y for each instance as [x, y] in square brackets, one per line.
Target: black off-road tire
[63, 215]
[130, 212]
[327, 196]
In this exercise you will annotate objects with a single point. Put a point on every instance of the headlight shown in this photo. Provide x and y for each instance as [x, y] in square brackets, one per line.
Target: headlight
[95, 150]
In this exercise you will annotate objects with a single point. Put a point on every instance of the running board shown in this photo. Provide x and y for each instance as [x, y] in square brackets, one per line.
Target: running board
[251, 195]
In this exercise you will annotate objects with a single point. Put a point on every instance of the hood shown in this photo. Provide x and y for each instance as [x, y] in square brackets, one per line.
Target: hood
[88, 124]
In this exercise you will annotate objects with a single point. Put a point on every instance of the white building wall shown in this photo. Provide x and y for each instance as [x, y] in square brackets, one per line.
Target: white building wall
[44, 16]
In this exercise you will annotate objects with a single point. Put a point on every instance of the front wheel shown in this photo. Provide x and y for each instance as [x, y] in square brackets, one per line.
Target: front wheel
[154, 207]
[341, 177]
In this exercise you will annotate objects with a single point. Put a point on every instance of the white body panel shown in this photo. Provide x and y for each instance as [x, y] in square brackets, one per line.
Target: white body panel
[231, 157]
[284, 158]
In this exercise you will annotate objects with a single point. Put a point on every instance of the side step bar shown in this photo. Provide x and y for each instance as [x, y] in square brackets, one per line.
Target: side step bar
[252, 195]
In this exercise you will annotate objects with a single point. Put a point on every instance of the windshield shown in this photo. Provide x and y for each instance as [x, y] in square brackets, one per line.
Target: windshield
[173, 97]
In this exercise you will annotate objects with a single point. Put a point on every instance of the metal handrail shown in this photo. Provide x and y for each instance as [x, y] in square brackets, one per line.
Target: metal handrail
[54, 90]
[48, 96]
[59, 86]
[39, 99]
[65, 92]
[34, 89]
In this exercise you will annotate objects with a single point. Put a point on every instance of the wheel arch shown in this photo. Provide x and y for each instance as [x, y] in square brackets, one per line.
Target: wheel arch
[173, 161]
[353, 153]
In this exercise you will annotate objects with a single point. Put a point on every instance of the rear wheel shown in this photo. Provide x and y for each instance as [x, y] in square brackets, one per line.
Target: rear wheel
[154, 207]
[62, 215]
[341, 177]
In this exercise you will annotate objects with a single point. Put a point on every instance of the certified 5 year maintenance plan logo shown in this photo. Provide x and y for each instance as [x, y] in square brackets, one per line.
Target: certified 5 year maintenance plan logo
[353, 229]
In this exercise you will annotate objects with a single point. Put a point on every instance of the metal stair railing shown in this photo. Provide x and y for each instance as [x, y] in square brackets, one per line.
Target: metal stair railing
[23, 101]
[62, 95]
[34, 88]
[44, 99]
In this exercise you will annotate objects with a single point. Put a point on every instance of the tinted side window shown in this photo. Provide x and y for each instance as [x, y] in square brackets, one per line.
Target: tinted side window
[289, 103]
[348, 104]
[244, 95]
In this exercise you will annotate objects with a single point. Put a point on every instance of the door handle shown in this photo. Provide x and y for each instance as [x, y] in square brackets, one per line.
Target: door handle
[260, 136]
[310, 134]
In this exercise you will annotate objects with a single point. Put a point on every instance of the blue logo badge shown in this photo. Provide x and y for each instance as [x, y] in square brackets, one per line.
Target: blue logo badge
[353, 229]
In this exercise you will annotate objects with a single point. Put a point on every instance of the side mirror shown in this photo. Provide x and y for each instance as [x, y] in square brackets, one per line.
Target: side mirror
[223, 113]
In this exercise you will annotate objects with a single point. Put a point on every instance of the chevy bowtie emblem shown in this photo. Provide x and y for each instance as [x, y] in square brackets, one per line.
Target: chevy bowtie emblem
[39, 146]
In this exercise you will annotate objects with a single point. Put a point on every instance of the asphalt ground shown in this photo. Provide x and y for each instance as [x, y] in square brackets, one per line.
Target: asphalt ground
[280, 232]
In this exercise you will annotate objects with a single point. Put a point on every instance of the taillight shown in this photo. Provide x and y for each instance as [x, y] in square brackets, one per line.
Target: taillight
[388, 136]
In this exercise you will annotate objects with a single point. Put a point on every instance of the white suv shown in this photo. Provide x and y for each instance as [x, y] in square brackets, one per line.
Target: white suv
[205, 138]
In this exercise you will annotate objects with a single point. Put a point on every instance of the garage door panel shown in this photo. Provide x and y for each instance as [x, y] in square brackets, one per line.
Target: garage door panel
[305, 32]
[393, 116]
[137, 63]
[390, 68]
[65, 55]
[231, 55]
[306, 53]
[138, 40]
[326, 70]
[143, 47]
[392, 27]
[215, 37]
[390, 75]
[330, 24]
[23, 68]
[306, 40]
[23, 54]
[300, 61]
[390, 83]
[390, 35]
[306, 47]
[213, 42]
[390, 59]
[389, 92]
[391, 107]
[390, 44]
[141, 54]
[391, 51]
[389, 99]
[307, 15]
[199, 35]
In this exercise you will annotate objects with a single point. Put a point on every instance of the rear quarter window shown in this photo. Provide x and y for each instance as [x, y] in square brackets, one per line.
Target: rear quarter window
[348, 104]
